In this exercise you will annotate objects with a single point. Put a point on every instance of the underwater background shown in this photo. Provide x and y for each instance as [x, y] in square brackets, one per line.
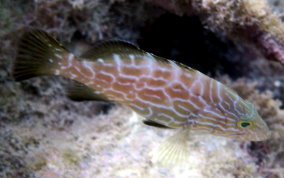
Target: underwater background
[44, 134]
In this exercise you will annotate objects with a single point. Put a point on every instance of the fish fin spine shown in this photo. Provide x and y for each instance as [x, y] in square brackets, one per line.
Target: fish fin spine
[38, 54]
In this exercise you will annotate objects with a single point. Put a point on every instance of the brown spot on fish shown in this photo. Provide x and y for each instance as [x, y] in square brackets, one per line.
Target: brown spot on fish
[161, 73]
[154, 96]
[131, 71]
[156, 83]
[121, 87]
[177, 93]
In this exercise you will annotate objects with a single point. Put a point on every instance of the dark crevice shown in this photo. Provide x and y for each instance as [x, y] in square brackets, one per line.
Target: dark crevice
[185, 39]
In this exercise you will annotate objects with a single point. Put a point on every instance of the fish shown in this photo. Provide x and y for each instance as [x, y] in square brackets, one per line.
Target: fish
[166, 93]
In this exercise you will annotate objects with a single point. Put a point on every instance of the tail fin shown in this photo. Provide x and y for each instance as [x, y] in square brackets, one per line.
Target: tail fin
[38, 54]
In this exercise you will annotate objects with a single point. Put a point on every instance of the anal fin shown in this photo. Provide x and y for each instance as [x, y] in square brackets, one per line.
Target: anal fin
[173, 151]
[80, 92]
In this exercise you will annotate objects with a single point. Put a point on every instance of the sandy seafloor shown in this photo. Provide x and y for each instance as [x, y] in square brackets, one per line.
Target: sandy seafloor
[45, 135]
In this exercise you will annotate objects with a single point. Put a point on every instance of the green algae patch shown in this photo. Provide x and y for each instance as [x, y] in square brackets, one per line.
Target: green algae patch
[71, 156]
[39, 164]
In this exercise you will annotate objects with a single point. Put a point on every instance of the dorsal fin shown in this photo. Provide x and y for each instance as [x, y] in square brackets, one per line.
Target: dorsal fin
[80, 92]
[155, 124]
[107, 48]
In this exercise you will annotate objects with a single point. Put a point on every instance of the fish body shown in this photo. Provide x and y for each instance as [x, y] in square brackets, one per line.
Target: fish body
[166, 93]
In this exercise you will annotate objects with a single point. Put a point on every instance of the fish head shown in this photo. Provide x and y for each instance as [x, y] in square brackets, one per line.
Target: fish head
[251, 126]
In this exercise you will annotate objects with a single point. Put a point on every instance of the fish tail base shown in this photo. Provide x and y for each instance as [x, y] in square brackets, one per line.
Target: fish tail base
[38, 54]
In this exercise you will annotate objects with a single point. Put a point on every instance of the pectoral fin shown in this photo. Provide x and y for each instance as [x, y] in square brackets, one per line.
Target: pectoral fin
[174, 150]
[155, 124]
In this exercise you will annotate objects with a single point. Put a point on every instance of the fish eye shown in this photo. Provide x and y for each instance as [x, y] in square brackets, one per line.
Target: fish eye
[244, 124]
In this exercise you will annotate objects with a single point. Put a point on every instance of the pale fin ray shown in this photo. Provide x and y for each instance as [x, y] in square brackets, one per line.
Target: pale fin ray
[173, 151]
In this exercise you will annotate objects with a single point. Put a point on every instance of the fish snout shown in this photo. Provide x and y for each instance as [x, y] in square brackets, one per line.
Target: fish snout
[261, 131]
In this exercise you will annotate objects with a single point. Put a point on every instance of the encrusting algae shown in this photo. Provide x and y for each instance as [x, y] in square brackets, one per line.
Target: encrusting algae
[167, 94]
